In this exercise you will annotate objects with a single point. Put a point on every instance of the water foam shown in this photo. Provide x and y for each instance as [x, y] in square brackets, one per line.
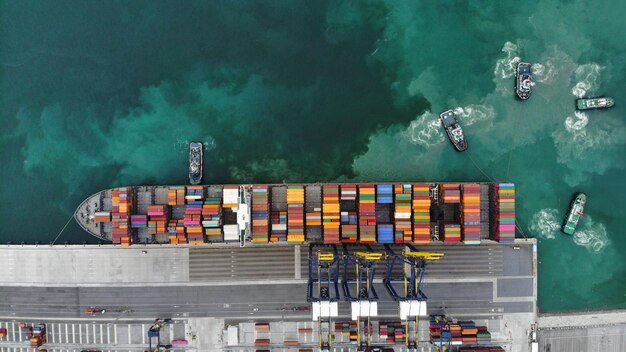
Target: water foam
[591, 235]
[544, 73]
[545, 223]
[576, 123]
[472, 114]
[587, 77]
[505, 67]
[426, 130]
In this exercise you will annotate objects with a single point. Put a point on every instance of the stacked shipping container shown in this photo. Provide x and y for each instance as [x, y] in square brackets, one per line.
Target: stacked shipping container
[279, 226]
[295, 208]
[260, 214]
[451, 193]
[349, 219]
[367, 213]
[176, 195]
[458, 333]
[193, 214]
[392, 332]
[330, 211]
[121, 203]
[212, 213]
[452, 233]
[471, 213]
[421, 213]
[505, 212]
[384, 196]
[402, 213]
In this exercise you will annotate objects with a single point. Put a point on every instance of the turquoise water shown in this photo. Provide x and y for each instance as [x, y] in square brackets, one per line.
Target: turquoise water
[99, 95]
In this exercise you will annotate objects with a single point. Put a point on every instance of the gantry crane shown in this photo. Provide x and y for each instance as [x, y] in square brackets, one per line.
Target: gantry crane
[323, 289]
[412, 302]
[364, 300]
[155, 331]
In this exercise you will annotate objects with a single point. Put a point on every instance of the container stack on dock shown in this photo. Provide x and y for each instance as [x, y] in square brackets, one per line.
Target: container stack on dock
[330, 211]
[295, 209]
[367, 213]
[35, 335]
[448, 332]
[402, 213]
[260, 214]
[391, 332]
[421, 213]
[212, 213]
[471, 213]
[121, 202]
[505, 212]
[347, 329]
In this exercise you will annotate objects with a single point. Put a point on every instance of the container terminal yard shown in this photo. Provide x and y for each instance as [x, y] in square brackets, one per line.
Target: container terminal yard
[206, 290]
[404, 267]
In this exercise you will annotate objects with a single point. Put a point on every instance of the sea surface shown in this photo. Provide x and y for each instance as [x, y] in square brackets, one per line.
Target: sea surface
[101, 94]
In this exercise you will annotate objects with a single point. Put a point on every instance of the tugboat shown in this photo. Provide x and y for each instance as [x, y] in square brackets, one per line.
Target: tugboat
[523, 81]
[195, 163]
[594, 103]
[454, 130]
[574, 213]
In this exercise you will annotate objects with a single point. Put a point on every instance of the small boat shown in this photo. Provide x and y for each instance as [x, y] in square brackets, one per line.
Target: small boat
[574, 213]
[195, 163]
[454, 130]
[523, 81]
[594, 103]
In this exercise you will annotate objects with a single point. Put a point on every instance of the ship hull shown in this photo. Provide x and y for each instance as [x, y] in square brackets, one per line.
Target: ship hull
[523, 81]
[285, 214]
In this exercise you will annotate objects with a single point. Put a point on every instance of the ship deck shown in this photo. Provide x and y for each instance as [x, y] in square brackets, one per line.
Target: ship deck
[145, 196]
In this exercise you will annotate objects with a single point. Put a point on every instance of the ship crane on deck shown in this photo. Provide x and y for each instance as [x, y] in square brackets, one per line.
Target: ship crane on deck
[364, 300]
[323, 290]
[407, 288]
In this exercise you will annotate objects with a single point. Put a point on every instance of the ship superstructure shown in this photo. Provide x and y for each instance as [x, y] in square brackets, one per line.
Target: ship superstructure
[454, 130]
[523, 81]
[594, 103]
[299, 213]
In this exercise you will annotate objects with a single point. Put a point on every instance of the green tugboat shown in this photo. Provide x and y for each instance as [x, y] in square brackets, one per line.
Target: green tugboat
[594, 103]
[575, 213]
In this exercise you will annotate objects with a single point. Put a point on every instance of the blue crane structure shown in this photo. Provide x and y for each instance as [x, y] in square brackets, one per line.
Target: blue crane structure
[323, 289]
[410, 278]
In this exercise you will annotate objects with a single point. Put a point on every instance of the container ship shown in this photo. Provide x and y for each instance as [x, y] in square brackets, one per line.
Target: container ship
[418, 213]
[523, 81]
[454, 130]
[594, 103]
[574, 213]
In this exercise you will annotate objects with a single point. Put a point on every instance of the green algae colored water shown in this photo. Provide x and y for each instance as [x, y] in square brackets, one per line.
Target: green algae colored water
[95, 95]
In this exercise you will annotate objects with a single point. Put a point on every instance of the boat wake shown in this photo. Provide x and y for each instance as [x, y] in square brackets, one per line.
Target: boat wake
[426, 130]
[545, 224]
[576, 123]
[587, 79]
[472, 114]
[505, 68]
[591, 235]
[544, 73]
